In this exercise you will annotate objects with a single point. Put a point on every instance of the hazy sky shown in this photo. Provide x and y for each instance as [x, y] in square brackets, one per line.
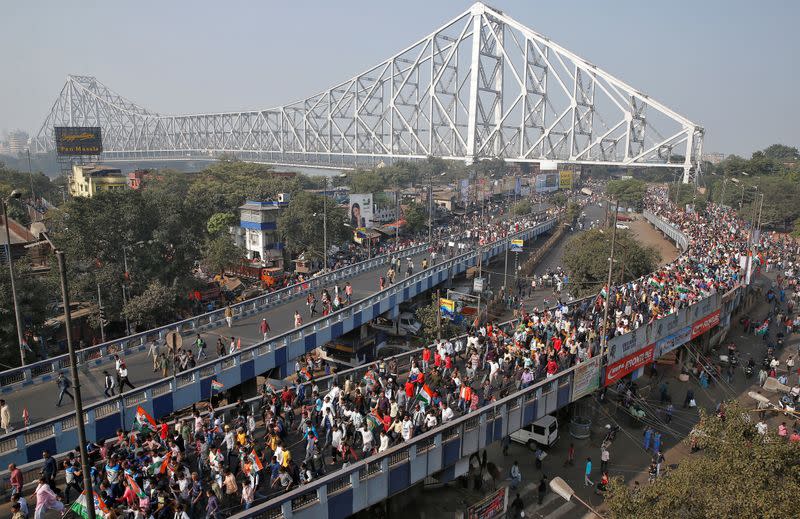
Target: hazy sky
[729, 65]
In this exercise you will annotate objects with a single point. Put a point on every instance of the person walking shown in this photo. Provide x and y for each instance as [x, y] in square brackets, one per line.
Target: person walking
[122, 376]
[5, 417]
[588, 472]
[201, 347]
[63, 384]
[298, 319]
[348, 292]
[657, 442]
[689, 398]
[229, 315]
[542, 489]
[264, 328]
[46, 499]
[153, 351]
[516, 475]
[570, 455]
[604, 457]
[110, 384]
[648, 432]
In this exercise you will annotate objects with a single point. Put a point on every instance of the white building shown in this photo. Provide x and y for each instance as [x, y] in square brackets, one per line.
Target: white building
[258, 231]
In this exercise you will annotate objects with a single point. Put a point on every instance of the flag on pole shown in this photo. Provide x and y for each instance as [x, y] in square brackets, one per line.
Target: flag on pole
[216, 385]
[165, 463]
[763, 328]
[655, 282]
[255, 463]
[425, 394]
[135, 486]
[144, 419]
[80, 508]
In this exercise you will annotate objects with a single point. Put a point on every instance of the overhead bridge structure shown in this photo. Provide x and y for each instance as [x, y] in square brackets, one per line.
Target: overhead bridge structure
[480, 86]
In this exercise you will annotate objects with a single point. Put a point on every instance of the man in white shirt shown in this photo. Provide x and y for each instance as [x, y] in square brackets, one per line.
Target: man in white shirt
[384, 442]
[407, 430]
[366, 440]
[447, 413]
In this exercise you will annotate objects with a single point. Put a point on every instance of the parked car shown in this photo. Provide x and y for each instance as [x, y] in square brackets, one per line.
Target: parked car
[541, 433]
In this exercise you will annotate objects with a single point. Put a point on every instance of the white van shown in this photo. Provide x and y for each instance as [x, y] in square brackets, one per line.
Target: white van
[409, 323]
[543, 432]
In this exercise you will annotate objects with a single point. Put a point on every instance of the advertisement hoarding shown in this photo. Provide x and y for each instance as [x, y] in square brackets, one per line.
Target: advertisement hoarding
[494, 505]
[586, 378]
[517, 245]
[706, 323]
[623, 345]
[546, 182]
[629, 364]
[78, 140]
[565, 179]
[670, 342]
[360, 210]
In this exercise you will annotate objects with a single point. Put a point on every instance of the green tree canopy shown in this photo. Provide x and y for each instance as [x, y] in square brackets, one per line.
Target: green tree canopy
[629, 193]
[738, 473]
[521, 208]
[220, 252]
[427, 316]
[33, 296]
[416, 217]
[301, 224]
[586, 259]
[151, 308]
[219, 223]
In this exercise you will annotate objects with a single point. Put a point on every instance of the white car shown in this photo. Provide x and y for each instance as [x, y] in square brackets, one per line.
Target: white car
[623, 226]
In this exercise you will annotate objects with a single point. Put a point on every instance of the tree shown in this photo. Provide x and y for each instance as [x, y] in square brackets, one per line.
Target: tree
[427, 316]
[738, 473]
[586, 259]
[629, 193]
[782, 153]
[301, 224]
[416, 217]
[152, 307]
[33, 296]
[219, 223]
[521, 208]
[220, 253]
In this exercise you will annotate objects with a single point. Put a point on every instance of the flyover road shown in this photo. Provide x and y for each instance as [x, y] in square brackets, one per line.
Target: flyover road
[40, 399]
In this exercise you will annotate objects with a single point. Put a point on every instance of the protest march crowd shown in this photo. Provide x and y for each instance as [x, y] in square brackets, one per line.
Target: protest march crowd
[208, 466]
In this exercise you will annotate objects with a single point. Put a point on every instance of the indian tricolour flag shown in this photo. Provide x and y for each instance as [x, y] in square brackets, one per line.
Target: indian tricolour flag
[763, 328]
[217, 385]
[425, 394]
[144, 419]
[256, 464]
[655, 282]
[135, 486]
[79, 507]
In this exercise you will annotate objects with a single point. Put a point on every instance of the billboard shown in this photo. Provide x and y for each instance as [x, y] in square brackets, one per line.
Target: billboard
[546, 182]
[517, 245]
[464, 190]
[670, 342]
[360, 210]
[447, 307]
[78, 140]
[565, 178]
[706, 323]
[586, 378]
[629, 364]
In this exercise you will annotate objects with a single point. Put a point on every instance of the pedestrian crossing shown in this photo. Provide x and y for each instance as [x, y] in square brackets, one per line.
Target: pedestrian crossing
[553, 506]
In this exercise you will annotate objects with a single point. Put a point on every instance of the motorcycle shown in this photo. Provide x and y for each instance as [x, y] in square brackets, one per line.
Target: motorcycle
[611, 434]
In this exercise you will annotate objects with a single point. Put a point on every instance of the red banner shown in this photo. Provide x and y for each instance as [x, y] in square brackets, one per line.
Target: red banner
[706, 323]
[630, 363]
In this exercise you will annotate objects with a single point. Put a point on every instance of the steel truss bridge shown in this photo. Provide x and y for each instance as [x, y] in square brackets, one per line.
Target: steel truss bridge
[482, 85]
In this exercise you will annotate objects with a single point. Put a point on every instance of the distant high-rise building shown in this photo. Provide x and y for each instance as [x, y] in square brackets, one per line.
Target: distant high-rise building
[714, 158]
[17, 142]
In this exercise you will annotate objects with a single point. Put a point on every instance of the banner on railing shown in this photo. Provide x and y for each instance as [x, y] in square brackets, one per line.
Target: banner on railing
[494, 505]
[670, 342]
[586, 378]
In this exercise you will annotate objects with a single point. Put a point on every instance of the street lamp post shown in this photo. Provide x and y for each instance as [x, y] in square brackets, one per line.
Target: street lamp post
[604, 338]
[73, 361]
[124, 294]
[562, 488]
[21, 341]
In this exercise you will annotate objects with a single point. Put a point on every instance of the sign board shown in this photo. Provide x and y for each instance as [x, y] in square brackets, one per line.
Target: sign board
[586, 378]
[447, 307]
[516, 245]
[360, 210]
[623, 345]
[629, 364]
[78, 140]
[706, 323]
[493, 505]
[477, 285]
[565, 179]
[174, 341]
[670, 342]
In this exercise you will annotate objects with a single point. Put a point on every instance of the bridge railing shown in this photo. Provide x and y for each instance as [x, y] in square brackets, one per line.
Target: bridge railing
[99, 353]
[162, 397]
[376, 477]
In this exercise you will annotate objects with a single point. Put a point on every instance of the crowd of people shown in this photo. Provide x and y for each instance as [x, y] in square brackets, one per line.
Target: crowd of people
[203, 466]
